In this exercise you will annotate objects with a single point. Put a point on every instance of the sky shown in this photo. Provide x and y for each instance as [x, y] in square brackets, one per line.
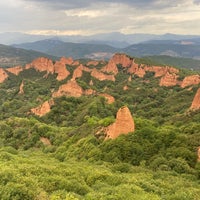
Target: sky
[88, 17]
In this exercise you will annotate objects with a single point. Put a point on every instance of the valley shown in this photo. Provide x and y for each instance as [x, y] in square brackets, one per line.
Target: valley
[88, 129]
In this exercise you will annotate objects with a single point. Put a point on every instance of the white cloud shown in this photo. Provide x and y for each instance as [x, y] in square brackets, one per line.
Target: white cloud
[97, 16]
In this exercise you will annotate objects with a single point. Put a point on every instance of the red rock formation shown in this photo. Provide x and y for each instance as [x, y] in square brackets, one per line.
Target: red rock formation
[110, 99]
[140, 72]
[111, 67]
[91, 83]
[71, 88]
[15, 70]
[198, 154]
[43, 109]
[122, 59]
[196, 101]
[3, 75]
[89, 92]
[43, 64]
[123, 125]
[61, 70]
[129, 78]
[21, 88]
[75, 63]
[190, 80]
[134, 67]
[66, 61]
[45, 141]
[169, 80]
[101, 76]
[78, 72]
[93, 62]
[159, 71]
[125, 88]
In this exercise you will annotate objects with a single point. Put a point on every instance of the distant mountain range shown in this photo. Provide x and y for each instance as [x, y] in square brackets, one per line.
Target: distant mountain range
[189, 48]
[114, 39]
[157, 50]
[76, 50]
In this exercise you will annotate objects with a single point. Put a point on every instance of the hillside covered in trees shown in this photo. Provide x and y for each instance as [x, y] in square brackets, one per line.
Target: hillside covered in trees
[84, 129]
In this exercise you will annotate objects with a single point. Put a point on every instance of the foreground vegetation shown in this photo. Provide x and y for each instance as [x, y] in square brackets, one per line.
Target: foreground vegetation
[35, 175]
[157, 161]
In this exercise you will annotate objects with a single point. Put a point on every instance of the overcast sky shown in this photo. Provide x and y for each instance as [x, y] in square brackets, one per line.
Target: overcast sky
[86, 17]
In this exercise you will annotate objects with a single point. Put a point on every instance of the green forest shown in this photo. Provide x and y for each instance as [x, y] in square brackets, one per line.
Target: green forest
[158, 161]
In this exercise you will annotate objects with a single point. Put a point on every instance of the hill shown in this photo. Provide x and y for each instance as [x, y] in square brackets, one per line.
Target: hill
[10, 56]
[85, 129]
[180, 53]
[164, 48]
[76, 50]
[186, 63]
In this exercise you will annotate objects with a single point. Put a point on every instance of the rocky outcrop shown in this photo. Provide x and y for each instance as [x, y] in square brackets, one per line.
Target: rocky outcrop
[42, 64]
[123, 125]
[71, 88]
[3, 75]
[78, 72]
[66, 61]
[140, 72]
[190, 80]
[89, 92]
[91, 83]
[110, 99]
[61, 70]
[196, 101]
[43, 109]
[134, 67]
[15, 70]
[45, 141]
[111, 67]
[125, 88]
[93, 62]
[75, 63]
[21, 88]
[169, 80]
[101, 76]
[122, 59]
[198, 154]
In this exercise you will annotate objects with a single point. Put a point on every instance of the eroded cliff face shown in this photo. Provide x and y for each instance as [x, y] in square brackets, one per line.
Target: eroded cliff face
[196, 101]
[61, 70]
[43, 109]
[169, 80]
[111, 67]
[123, 125]
[21, 88]
[101, 76]
[71, 88]
[122, 59]
[15, 70]
[3, 75]
[110, 99]
[42, 64]
[45, 141]
[198, 154]
[93, 62]
[66, 61]
[190, 80]
[78, 72]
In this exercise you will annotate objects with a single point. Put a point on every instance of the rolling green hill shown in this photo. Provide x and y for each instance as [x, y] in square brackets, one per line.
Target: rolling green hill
[59, 155]
[68, 49]
[10, 56]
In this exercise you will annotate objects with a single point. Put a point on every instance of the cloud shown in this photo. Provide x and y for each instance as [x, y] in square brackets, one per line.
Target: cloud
[100, 16]
[143, 4]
